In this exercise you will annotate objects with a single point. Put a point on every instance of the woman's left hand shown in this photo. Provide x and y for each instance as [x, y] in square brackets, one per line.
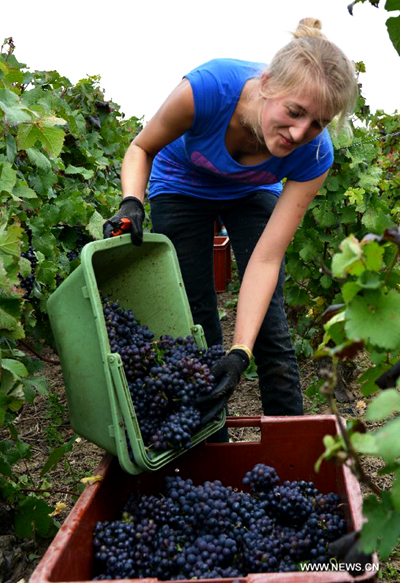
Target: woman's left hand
[227, 373]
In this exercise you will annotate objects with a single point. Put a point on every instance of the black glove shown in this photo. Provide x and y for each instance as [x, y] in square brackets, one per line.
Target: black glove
[227, 373]
[347, 549]
[389, 378]
[129, 218]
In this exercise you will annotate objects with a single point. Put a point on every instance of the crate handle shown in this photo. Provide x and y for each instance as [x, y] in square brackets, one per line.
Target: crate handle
[258, 421]
[128, 415]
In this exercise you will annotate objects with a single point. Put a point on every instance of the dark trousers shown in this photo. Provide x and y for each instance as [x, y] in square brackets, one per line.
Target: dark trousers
[189, 223]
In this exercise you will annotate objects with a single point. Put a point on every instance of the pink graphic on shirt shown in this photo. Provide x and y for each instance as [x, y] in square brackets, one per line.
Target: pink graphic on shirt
[249, 176]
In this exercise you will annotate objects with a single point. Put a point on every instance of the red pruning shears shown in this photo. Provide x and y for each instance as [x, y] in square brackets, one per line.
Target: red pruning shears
[124, 227]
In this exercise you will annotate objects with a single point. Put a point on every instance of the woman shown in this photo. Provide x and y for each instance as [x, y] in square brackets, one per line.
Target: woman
[219, 146]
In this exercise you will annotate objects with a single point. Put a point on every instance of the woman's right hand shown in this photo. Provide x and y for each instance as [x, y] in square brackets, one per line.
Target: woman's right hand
[129, 219]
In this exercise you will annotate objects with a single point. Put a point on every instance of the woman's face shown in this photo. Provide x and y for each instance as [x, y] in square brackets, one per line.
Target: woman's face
[290, 121]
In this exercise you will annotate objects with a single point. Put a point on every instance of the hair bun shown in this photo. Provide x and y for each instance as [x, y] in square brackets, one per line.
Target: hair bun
[310, 27]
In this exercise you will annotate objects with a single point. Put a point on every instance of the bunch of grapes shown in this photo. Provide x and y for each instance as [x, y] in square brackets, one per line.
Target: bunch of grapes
[80, 240]
[164, 378]
[214, 531]
[261, 478]
[28, 282]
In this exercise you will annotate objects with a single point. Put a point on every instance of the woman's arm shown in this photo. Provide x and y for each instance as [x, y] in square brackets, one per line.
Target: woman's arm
[173, 119]
[262, 271]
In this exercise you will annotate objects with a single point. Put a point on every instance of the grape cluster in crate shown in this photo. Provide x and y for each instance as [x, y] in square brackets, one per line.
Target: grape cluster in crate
[212, 531]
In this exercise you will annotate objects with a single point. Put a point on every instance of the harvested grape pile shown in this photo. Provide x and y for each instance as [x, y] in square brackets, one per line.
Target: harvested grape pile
[212, 531]
[165, 378]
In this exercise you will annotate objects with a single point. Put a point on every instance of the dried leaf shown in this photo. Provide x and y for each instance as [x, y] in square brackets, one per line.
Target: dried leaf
[60, 506]
[92, 479]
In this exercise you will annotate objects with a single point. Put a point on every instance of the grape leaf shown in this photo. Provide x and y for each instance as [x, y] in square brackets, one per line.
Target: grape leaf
[22, 190]
[368, 280]
[326, 281]
[40, 384]
[10, 241]
[46, 272]
[389, 536]
[8, 177]
[376, 219]
[392, 5]
[324, 216]
[348, 215]
[30, 97]
[51, 138]
[350, 290]
[387, 440]
[95, 225]
[332, 183]
[32, 511]
[396, 491]
[14, 75]
[16, 368]
[38, 159]
[53, 459]
[309, 251]
[14, 111]
[365, 443]
[373, 255]
[296, 296]
[52, 120]
[377, 513]
[375, 318]
[349, 260]
[25, 267]
[7, 322]
[46, 243]
[355, 195]
[86, 173]
[28, 135]
[370, 179]
[43, 182]
[11, 146]
[393, 26]
[383, 405]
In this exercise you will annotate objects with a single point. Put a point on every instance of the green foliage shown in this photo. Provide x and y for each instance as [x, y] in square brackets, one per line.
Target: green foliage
[250, 374]
[392, 24]
[370, 318]
[360, 195]
[61, 148]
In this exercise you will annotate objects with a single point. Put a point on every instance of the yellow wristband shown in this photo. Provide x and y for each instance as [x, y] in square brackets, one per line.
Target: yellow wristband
[243, 347]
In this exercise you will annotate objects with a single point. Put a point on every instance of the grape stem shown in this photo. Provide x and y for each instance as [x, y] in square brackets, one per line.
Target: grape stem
[395, 258]
[355, 465]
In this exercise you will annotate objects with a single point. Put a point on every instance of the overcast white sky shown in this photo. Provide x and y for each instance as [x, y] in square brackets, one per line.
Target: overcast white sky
[142, 48]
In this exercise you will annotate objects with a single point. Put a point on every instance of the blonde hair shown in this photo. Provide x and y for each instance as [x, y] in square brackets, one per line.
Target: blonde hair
[312, 63]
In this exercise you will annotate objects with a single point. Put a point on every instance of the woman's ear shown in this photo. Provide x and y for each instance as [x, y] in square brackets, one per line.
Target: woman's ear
[264, 79]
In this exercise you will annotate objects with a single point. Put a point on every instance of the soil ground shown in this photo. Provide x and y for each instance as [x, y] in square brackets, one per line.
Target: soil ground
[45, 424]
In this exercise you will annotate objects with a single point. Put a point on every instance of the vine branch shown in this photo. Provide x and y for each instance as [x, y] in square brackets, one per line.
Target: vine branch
[50, 491]
[358, 469]
[36, 353]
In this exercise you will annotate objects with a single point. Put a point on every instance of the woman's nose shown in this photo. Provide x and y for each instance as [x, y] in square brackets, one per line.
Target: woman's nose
[299, 131]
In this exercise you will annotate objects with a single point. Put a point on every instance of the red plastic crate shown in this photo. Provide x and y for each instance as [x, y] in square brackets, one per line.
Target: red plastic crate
[290, 444]
[222, 262]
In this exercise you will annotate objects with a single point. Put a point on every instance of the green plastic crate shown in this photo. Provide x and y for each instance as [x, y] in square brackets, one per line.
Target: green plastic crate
[148, 281]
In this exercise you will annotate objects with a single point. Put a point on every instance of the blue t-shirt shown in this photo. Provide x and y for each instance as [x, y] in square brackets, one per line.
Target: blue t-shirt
[198, 163]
